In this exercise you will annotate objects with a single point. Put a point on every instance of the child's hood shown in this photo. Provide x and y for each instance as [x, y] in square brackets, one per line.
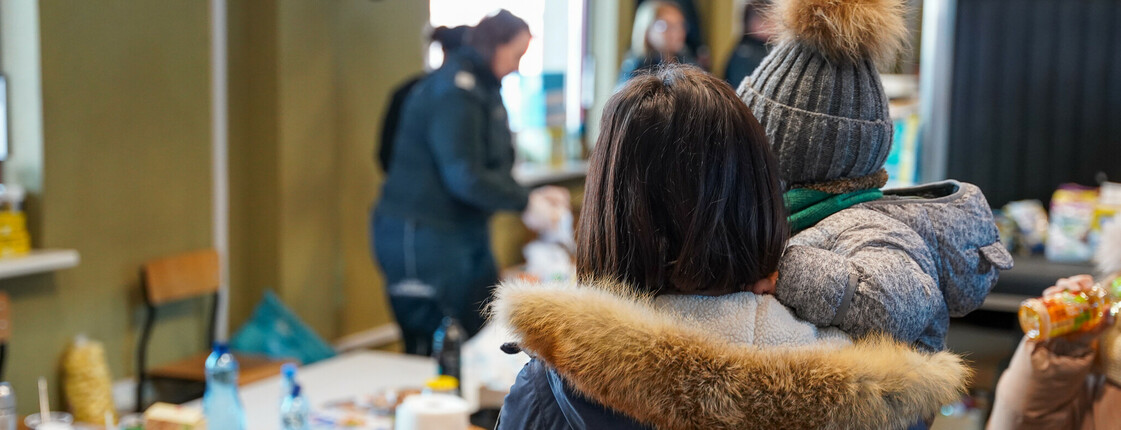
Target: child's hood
[955, 221]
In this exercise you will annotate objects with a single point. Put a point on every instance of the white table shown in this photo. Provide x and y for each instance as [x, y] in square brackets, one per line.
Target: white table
[347, 375]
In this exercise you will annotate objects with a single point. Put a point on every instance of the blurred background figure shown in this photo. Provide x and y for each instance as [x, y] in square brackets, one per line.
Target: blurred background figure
[451, 171]
[695, 40]
[658, 37]
[753, 46]
[448, 39]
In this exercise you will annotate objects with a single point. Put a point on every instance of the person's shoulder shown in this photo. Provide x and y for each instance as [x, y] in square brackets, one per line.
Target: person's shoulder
[630, 65]
[527, 404]
[861, 215]
[855, 223]
[453, 80]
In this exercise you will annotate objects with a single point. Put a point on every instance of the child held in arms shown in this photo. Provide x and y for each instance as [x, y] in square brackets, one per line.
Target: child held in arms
[862, 259]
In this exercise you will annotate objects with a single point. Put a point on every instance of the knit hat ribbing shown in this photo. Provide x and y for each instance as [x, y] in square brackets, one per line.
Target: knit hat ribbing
[818, 94]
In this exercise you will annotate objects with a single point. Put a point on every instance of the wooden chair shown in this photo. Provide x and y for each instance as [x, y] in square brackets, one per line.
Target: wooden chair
[181, 277]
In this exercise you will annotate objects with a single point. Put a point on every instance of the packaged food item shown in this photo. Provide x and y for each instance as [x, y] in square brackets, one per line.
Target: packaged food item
[1108, 255]
[1106, 212]
[86, 381]
[1031, 224]
[1006, 228]
[1068, 312]
[14, 238]
[1072, 213]
[165, 416]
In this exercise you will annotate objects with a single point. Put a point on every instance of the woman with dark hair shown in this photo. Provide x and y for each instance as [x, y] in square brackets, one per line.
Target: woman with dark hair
[672, 324]
[451, 170]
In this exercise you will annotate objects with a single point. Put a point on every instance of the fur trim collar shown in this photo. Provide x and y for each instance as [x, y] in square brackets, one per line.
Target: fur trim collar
[847, 185]
[619, 350]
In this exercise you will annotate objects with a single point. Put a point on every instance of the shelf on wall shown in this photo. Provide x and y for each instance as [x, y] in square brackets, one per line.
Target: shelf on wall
[537, 174]
[38, 261]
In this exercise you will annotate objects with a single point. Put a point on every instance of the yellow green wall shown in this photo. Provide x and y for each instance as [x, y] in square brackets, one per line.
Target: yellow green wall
[377, 46]
[126, 177]
[309, 81]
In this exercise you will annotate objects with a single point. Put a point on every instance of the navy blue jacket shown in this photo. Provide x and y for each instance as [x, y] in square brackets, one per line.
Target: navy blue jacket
[453, 152]
[541, 400]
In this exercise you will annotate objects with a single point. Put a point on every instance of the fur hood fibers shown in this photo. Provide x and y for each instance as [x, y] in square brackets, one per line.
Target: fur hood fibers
[620, 351]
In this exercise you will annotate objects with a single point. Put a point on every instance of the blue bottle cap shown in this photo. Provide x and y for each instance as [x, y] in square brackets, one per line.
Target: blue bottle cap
[221, 347]
[288, 370]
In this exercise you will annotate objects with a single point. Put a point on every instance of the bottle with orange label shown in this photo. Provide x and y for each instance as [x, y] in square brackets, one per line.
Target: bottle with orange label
[1069, 312]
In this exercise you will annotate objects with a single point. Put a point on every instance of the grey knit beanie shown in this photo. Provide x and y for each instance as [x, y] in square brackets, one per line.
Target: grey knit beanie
[818, 94]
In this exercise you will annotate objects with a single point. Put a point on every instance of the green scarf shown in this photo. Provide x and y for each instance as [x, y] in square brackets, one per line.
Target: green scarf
[807, 207]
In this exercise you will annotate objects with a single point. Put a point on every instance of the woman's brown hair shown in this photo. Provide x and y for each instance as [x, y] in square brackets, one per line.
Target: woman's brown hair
[683, 194]
[496, 29]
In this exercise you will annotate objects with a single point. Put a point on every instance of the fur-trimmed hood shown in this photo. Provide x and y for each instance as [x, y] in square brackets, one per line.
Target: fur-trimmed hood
[619, 350]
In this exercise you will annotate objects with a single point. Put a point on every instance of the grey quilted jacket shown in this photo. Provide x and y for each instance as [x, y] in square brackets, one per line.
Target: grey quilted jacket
[902, 265]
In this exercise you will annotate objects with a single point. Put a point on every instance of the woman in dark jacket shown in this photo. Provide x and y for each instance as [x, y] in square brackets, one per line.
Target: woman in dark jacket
[672, 324]
[451, 170]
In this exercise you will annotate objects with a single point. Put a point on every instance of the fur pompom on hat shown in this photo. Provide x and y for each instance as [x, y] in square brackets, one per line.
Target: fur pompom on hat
[818, 94]
[844, 29]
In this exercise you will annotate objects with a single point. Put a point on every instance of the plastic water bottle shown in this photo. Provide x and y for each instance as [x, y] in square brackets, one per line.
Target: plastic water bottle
[220, 403]
[446, 346]
[9, 420]
[287, 380]
[294, 411]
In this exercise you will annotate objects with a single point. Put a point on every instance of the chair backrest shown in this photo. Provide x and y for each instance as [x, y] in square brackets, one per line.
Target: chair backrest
[180, 276]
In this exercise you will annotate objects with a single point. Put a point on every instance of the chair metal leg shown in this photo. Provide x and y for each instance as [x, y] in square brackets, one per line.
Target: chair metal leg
[142, 357]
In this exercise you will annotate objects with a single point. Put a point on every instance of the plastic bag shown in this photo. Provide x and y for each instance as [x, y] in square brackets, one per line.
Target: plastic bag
[276, 332]
[549, 258]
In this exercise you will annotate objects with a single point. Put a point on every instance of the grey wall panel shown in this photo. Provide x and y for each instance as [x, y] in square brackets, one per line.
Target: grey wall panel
[1036, 95]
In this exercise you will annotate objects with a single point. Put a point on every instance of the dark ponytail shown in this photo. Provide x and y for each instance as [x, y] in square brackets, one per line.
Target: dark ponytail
[450, 38]
[496, 29]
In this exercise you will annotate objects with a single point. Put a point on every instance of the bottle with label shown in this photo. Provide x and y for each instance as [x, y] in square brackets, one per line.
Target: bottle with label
[1069, 312]
[294, 411]
[220, 402]
[447, 344]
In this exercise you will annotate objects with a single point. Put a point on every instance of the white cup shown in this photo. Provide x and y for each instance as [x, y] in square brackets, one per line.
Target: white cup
[55, 421]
